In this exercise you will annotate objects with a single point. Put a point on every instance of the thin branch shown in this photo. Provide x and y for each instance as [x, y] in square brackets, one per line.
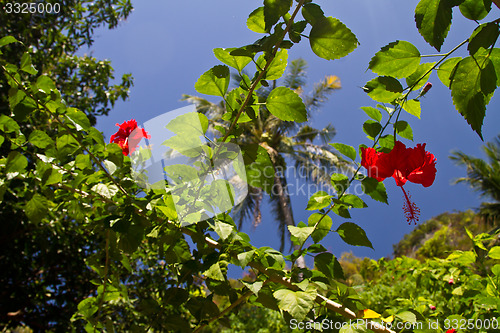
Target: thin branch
[261, 73]
[226, 310]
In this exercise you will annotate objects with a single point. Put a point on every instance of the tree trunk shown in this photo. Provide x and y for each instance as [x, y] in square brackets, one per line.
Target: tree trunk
[284, 200]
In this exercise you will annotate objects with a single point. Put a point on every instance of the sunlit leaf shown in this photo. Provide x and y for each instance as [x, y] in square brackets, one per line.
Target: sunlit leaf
[398, 59]
[383, 89]
[296, 303]
[234, 61]
[322, 229]
[416, 80]
[444, 71]
[472, 86]
[403, 129]
[285, 104]
[331, 39]
[475, 9]
[353, 234]
[319, 200]
[433, 18]
[373, 113]
[215, 81]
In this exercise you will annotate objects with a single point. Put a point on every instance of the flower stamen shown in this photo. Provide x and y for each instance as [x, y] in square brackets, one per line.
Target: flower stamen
[411, 210]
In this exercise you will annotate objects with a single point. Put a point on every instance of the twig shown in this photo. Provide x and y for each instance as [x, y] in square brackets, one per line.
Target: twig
[225, 311]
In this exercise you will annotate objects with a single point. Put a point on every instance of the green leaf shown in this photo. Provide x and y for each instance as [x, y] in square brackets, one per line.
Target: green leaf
[277, 67]
[331, 39]
[407, 316]
[40, 139]
[355, 328]
[404, 129]
[66, 144]
[7, 40]
[285, 104]
[375, 189]
[462, 257]
[254, 287]
[16, 162]
[494, 252]
[110, 166]
[398, 59]
[79, 118]
[372, 128]
[412, 106]
[51, 176]
[245, 257]
[45, 84]
[353, 234]
[383, 89]
[444, 71]
[88, 307]
[224, 230]
[483, 36]
[214, 273]
[296, 303]
[215, 81]
[37, 208]
[353, 201]
[319, 200]
[323, 227]
[327, 264]
[433, 18]
[471, 89]
[386, 142]
[417, 75]
[256, 22]
[260, 169]
[273, 10]
[301, 233]
[234, 61]
[8, 125]
[26, 64]
[475, 9]
[312, 12]
[346, 150]
[373, 113]
[341, 210]
[340, 182]
[107, 191]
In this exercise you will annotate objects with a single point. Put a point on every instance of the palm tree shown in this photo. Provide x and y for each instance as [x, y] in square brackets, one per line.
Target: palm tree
[285, 142]
[484, 177]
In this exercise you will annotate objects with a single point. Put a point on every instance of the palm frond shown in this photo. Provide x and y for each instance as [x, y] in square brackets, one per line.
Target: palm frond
[320, 92]
[295, 77]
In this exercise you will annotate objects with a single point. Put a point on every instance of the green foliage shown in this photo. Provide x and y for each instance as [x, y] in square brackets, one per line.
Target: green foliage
[286, 105]
[398, 59]
[331, 39]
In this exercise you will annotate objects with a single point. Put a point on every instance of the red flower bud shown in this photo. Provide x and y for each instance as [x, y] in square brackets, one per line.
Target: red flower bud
[451, 330]
[432, 307]
[450, 281]
[426, 88]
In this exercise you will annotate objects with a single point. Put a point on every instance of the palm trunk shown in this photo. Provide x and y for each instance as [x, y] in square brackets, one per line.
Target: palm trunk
[284, 200]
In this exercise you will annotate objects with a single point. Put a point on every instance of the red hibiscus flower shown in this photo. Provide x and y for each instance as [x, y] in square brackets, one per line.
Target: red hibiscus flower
[129, 136]
[404, 164]
[451, 330]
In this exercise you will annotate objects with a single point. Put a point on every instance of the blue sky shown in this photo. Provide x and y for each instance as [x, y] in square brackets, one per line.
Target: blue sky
[167, 45]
